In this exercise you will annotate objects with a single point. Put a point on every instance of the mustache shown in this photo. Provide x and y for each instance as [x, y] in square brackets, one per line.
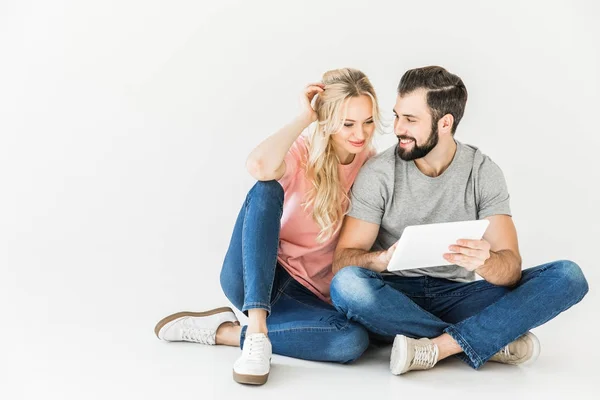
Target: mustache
[404, 137]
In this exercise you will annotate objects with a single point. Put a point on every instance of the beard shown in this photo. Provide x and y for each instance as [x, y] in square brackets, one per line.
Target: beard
[419, 151]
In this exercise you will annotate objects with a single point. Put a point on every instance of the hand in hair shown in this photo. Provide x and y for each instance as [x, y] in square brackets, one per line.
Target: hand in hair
[266, 161]
[307, 97]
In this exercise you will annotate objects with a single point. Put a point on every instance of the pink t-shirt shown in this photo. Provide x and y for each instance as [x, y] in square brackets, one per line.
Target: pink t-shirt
[305, 259]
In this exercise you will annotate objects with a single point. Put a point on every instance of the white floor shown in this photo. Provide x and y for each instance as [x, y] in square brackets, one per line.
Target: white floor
[107, 349]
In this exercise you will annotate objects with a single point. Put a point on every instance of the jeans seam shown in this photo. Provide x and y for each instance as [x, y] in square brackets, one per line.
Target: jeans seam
[268, 307]
[280, 290]
[472, 354]
[313, 328]
[248, 306]
[371, 327]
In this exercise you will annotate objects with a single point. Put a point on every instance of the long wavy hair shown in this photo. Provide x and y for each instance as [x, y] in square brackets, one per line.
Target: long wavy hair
[327, 197]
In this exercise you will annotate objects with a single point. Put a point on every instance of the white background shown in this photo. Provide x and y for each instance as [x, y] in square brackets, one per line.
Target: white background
[124, 130]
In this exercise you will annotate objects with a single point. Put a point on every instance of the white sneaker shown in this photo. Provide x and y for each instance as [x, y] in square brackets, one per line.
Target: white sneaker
[197, 327]
[255, 362]
[412, 354]
[524, 350]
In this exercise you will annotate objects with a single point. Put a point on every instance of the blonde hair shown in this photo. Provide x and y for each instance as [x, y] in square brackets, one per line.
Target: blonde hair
[327, 196]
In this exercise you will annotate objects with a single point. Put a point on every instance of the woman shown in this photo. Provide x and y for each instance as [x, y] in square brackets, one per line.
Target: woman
[277, 270]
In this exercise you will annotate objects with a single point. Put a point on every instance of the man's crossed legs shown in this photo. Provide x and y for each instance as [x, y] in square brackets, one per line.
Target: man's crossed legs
[476, 321]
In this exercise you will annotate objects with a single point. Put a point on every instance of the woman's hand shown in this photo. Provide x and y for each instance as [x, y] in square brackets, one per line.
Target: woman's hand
[307, 97]
[266, 161]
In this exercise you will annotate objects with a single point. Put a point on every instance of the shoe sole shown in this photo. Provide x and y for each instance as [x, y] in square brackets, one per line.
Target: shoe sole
[250, 379]
[172, 317]
[398, 357]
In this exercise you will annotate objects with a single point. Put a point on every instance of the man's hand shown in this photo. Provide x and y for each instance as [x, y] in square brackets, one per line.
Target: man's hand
[383, 258]
[469, 254]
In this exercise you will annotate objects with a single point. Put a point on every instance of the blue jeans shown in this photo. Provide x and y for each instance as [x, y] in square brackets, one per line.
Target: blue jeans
[481, 317]
[300, 324]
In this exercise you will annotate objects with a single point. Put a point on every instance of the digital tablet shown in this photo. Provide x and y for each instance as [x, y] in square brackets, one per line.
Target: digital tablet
[422, 246]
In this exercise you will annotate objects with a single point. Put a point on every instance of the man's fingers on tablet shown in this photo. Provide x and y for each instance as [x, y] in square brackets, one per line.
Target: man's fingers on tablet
[464, 250]
[450, 257]
[473, 244]
[467, 243]
[457, 258]
[460, 260]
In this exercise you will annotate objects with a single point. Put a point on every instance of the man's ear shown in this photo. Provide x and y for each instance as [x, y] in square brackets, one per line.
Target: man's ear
[445, 124]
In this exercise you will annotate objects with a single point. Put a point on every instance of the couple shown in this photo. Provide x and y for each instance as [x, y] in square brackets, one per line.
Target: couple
[315, 289]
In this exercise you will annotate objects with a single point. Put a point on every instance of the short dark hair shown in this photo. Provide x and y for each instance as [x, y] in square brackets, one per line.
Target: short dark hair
[446, 92]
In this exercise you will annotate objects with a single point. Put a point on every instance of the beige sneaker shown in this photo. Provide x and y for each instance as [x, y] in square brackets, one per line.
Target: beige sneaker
[412, 354]
[524, 350]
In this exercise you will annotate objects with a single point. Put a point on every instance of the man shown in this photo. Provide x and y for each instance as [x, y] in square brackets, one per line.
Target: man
[430, 177]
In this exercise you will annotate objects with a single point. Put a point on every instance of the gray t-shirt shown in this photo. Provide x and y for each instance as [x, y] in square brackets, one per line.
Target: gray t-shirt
[394, 194]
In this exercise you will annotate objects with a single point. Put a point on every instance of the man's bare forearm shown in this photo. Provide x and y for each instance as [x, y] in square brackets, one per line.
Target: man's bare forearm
[357, 258]
[503, 268]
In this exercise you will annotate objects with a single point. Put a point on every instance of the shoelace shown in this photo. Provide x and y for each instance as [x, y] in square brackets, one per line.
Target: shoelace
[425, 356]
[255, 347]
[505, 353]
[204, 336]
